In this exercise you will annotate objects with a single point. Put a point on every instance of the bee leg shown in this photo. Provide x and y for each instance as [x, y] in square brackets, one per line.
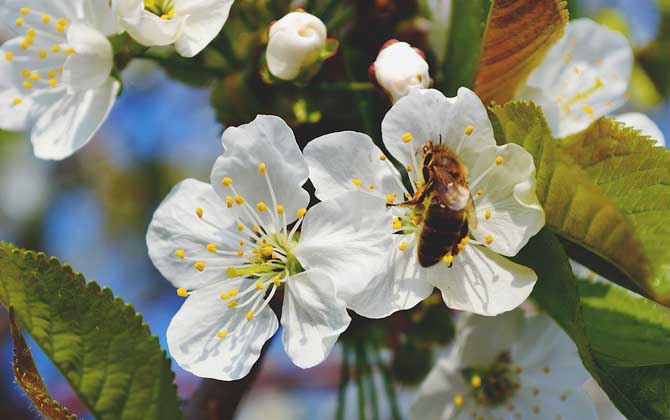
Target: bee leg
[418, 197]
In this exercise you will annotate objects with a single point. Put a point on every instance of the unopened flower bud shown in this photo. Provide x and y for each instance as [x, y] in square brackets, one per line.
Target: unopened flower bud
[399, 68]
[296, 42]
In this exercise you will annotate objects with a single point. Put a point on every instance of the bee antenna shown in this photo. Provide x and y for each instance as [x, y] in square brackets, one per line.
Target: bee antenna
[440, 136]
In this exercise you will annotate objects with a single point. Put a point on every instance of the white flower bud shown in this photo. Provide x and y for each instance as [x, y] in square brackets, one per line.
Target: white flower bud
[400, 68]
[296, 42]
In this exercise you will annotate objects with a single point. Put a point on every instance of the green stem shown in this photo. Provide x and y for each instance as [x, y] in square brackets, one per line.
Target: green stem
[344, 381]
[371, 384]
[177, 62]
[389, 386]
[360, 371]
[347, 86]
[360, 96]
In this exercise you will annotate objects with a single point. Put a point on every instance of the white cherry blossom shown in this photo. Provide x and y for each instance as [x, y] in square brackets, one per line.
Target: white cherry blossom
[55, 79]
[227, 247]
[502, 183]
[509, 367]
[188, 24]
[585, 76]
[400, 68]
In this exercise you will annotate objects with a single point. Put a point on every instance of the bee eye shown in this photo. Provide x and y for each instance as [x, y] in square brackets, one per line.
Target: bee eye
[425, 149]
[454, 174]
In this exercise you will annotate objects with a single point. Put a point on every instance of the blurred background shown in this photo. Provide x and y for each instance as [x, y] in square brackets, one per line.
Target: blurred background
[91, 210]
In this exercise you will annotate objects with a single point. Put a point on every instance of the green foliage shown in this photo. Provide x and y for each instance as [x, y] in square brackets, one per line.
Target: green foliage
[605, 194]
[99, 343]
[29, 378]
[641, 389]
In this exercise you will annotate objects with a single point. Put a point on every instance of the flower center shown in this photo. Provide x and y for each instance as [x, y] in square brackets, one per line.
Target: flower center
[160, 8]
[492, 385]
[43, 51]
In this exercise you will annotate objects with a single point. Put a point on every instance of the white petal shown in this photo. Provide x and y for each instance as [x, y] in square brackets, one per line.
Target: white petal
[586, 72]
[434, 400]
[401, 286]
[195, 346]
[69, 9]
[348, 237]
[507, 197]
[483, 282]
[99, 14]
[336, 159]
[13, 117]
[313, 317]
[643, 123]
[176, 226]
[92, 63]
[65, 123]
[202, 23]
[266, 140]
[150, 30]
[427, 115]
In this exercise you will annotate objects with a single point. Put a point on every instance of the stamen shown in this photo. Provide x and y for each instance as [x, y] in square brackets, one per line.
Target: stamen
[488, 239]
[229, 202]
[199, 212]
[232, 304]
[181, 292]
[407, 137]
[382, 157]
[180, 253]
[448, 259]
[409, 168]
[262, 207]
[587, 109]
[301, 213]
[397, 223]
[458, 401]
[227, 182]
[487, 214]
[500, 160]
[222, 334]
[468, 130]
[372, 186]
[357, 182]
[9, 56]
[199, 265]
[476, 381]
[280, 209]
[250, 315]
[403, 246]
[262, 169]
[211, 248]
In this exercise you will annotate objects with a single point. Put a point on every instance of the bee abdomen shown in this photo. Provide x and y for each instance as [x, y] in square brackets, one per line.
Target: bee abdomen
[442, 231]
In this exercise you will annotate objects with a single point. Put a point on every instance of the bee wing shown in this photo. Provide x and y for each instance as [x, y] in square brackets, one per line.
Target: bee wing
[471, 213]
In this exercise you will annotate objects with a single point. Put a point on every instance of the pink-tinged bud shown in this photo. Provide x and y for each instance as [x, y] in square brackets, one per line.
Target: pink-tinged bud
[400, 68]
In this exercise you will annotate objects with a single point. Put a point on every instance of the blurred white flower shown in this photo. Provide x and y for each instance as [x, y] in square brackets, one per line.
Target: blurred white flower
[506, 367]
[585, 76]
[501, 180]
[296, 43]
[55, 77]
[227, 246]
[189, 24]
[400, 68]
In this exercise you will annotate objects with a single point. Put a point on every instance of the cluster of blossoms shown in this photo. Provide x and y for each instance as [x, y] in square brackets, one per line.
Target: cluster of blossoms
[237, 245]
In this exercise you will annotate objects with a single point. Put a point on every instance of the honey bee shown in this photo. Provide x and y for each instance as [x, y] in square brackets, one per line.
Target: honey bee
[446, 202]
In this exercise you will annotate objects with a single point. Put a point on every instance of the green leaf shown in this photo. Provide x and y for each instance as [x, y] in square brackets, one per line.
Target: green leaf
[29, 378]
[100, 344]
[466, 32]
[635, 175]
[592, 224]
[640, 392]
[518, 36]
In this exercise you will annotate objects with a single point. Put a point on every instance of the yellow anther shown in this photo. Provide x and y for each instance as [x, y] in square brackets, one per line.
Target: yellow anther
[35, 76]
[25, 45]
[488, 239]
[52, 74]
[239, 199]
[390, 198]
[229, 202]
[42, 54]
[262, 207]
[536, 409]
[181, 292]
[397, 223]
[24, 10]
[211, 248]
[255, 229]
[19, 22]
[232, 304]
[26, 73]
[280, 209]
[479, 193]
[240, 253]
[60, 28]
[62, 22]
[276, 280]
[260, 285]
[70, 51]
[382, 157]
[458, 401]
[222, 334]
[240, 228]
[262, 169]
[407, 137]
[233, 292]
[409, 168]
[357, 182]
[53, 82]
[372, 186]
[9, 56]
[476, 381]
[487, 214]
[267, 250]
[17, 101]
[227, 182]
[403, 246]
[448, 259]
[180, 253]
[199, 265]
[250, 315]
[241, 243]
[199, 212]
[587, 109]
[500, 160]
[407, 196]
[27, 85]
[56, 48]
[301, 213]
[414, 218]
[468, 130]
[46, 19]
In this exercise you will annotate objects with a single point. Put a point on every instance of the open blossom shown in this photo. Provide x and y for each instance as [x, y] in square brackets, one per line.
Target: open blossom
[296, 43]
[399, 68]
[229, 248]
[188, 24]
[506, 367]
[501, 181]
[55, 77]
[585, 76]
